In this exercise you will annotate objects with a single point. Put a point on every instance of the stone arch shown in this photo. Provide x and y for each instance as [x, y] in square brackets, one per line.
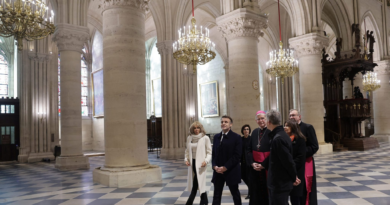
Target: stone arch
[373, 26]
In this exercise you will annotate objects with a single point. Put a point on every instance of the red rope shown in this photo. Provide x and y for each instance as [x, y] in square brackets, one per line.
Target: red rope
[192, 8]
[280, 28]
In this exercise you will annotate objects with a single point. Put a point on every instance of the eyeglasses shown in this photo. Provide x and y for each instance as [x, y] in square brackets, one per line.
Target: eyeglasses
[293, 115]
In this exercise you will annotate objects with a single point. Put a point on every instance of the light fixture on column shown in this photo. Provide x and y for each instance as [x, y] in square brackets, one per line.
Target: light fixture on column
[370, 82]
[25, 19]
[194, 46]
[282, 63]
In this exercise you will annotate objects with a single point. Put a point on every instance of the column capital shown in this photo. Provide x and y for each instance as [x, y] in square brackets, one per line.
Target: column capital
[242, 23]
[309, 44]
[383, 67]
[165, 47]
[70, 37]
[138, 4]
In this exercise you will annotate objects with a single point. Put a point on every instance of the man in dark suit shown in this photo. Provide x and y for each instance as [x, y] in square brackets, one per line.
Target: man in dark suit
[227, 149]
[282, 174]
[311, 148]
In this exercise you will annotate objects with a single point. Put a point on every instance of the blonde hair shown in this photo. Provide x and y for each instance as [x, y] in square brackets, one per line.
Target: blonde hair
[197, 124]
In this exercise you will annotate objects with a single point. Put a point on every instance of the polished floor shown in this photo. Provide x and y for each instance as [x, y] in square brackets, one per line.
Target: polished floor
[350, 178]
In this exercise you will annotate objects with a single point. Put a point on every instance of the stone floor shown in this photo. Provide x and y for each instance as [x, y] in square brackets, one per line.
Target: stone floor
[355, 178]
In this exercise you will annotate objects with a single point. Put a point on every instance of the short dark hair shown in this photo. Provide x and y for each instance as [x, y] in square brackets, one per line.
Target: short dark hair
[243, 127]
[226, 116]
[274, 117]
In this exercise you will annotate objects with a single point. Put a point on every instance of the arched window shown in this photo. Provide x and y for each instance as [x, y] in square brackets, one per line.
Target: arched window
[155, 80]
[3, 76]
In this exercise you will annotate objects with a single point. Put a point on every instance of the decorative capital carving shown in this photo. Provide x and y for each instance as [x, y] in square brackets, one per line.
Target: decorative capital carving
[383, 67]
[138, 4]
[242, 23]
[41, 57]
[309, 44]
[165, 47]
[70, 37]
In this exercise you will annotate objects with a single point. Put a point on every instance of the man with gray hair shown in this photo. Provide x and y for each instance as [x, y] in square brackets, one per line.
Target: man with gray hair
[282, 175]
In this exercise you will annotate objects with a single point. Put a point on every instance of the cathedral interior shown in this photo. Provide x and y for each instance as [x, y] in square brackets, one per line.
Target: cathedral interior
[140, 93]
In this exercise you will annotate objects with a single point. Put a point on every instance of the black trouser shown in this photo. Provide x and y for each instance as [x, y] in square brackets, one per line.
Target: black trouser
[259, 190]
[245, 176]
[195, 185]
[296, 200]
[277, 197]
[219, 182]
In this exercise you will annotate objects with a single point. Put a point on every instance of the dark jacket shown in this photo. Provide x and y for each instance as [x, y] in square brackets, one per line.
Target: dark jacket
[227, 154]
[265, 145]
[281, 172]
[311, 148]
[245, 146]
[299, 156]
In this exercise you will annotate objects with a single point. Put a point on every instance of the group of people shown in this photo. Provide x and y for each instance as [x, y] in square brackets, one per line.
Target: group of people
[274, 160]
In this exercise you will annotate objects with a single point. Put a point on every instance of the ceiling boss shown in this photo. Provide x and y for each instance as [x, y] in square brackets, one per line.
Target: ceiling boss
[25, 19]
[194, 46]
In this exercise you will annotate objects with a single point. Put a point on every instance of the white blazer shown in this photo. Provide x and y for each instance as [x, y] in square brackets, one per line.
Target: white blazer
[203, 154]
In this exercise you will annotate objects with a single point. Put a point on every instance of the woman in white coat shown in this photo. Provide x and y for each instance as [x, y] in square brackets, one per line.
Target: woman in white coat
[197, 156]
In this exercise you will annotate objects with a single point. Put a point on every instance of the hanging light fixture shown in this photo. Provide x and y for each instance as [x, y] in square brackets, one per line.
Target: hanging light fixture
[370, 81]
[25, 19]
[194, 46]
[282, 63]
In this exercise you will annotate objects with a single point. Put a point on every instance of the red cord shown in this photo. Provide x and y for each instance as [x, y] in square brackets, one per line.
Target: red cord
[280, 28]
[192, 8]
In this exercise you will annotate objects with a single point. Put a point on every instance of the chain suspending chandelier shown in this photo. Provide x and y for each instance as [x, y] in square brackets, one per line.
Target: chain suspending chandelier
[194, 46]
[25, 19]
[282, 63]
[370, 81]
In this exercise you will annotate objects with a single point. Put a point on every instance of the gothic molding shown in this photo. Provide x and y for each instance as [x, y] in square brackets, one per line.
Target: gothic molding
[70, 37]
[138, 4]
[309, 44]
[165, 47]
[41, 57]
[383, 67]
[242, 23]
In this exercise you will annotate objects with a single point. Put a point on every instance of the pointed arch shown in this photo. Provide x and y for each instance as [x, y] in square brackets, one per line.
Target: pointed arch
[373, 26]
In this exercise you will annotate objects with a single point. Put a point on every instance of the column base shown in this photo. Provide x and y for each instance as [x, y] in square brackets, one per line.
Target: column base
[37, 157]
[22, 158]
[382, 138]
[325, 148]
[72, 163]
[119, 178]
[172, 153]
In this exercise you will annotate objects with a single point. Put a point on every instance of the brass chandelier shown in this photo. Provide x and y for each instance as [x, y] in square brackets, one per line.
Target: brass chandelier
[25, 19]
[194, 46]
[282, 63]
[370, 81]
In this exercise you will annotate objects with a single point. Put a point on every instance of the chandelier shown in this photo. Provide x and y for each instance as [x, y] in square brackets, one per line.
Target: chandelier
[194, 46]
[25, 19]
[370, 81]
[282, 63]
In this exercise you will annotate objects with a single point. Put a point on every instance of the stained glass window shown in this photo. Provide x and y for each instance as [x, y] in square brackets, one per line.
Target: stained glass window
[3, 76]
[84, 88]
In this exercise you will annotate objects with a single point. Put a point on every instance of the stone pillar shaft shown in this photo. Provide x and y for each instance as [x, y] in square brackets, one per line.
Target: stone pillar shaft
[242, 28]
[125, 131]
[308, 47]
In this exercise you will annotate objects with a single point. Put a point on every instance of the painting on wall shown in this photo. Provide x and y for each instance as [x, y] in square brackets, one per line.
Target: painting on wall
[209, 102]
[97, 90]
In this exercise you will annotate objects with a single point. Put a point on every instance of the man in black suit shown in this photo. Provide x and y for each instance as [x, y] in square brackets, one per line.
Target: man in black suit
[311, 148]
[282, 174]
[227, 149]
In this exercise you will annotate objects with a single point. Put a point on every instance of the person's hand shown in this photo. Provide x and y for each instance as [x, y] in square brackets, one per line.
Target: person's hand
[219, 170]
[204, 164]
[223, 169]
[187, 163]
[254, 165]
[297, 182]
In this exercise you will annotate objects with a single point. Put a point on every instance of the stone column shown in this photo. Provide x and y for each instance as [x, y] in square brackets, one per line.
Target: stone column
[381, 99]
[175, 111]
[308, 48]
[125, 132]
[242, 28]
[70, 40]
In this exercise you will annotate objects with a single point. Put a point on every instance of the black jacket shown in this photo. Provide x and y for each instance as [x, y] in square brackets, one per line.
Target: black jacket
[245, 146]
[281, 172]
[299, 156]
[227, 154]
[265, 144]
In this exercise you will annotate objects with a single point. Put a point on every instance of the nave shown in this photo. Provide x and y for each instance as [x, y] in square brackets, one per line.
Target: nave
[343, 178]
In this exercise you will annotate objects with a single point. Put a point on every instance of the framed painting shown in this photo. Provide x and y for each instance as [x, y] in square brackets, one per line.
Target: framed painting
[209, 99]
[97, 93]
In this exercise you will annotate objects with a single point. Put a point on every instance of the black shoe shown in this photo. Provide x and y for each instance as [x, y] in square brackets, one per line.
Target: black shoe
[247, 197]
[203, 199]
